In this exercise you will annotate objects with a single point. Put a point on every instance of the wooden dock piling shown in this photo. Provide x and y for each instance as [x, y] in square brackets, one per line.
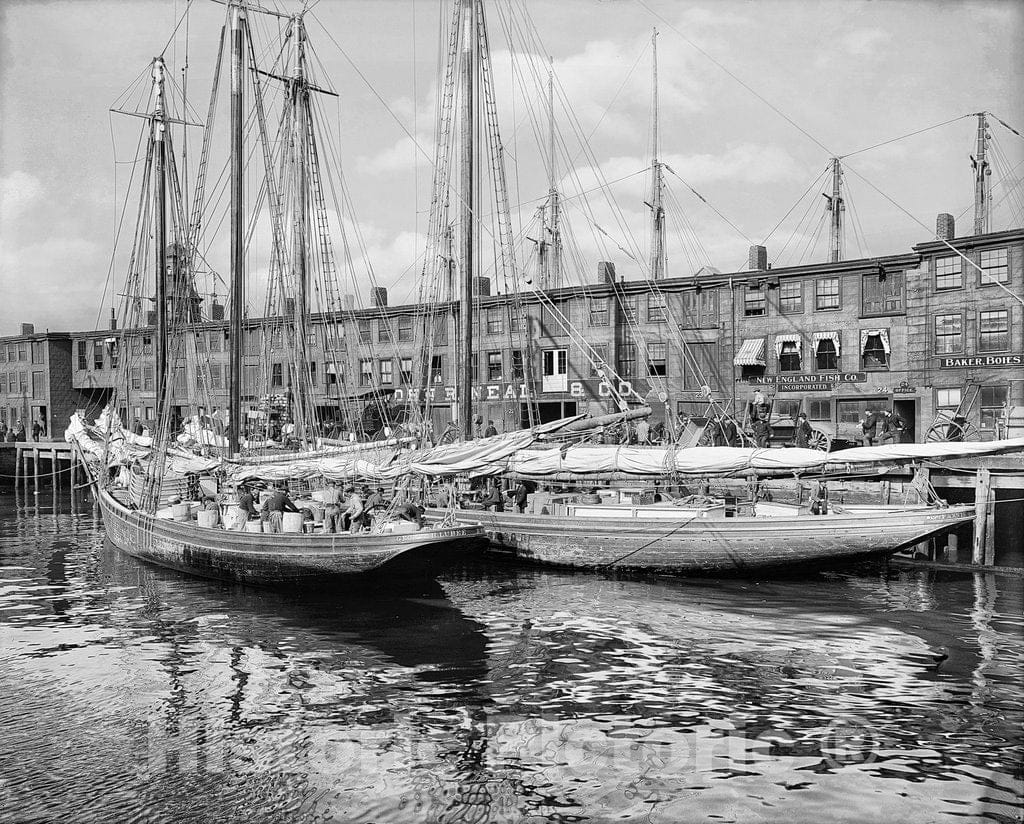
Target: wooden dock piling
[982, 504]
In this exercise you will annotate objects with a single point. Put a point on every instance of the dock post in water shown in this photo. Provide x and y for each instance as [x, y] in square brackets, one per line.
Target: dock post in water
[982, 503]
[35, 468]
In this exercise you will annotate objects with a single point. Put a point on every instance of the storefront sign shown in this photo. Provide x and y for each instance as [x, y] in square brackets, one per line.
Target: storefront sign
[489, 392]
[812, 382]
[981, 360]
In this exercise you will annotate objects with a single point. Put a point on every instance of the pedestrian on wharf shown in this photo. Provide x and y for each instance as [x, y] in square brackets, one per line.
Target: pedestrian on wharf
[491, 430]
[275, 506]
[802, 434]
[493, 500]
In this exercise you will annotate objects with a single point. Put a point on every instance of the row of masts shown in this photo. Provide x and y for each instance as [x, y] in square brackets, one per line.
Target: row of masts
[550, 253]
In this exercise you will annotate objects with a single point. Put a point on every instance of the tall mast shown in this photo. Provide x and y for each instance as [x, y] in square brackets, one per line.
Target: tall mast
[237, 227]
[301, 91]
[837, 207]
[160, 194]
[657, 184]
[554, 250]
[982, 182]
[467, 190]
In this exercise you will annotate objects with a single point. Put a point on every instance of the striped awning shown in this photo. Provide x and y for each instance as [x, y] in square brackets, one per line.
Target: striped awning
[881, 334]
[784, 338]
[833, 336]
[751, 353]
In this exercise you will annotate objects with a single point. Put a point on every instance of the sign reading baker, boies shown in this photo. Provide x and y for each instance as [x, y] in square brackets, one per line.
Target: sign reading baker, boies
[982, 361]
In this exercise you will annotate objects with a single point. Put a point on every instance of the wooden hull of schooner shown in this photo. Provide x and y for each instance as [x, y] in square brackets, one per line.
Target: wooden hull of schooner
[281, 559]
[692, 545]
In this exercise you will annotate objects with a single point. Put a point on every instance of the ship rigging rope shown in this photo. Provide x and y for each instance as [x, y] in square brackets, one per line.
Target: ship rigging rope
[825, 148]
[904, 136]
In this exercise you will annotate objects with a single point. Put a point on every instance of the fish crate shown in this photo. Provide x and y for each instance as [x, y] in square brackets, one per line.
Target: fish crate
[642, 498]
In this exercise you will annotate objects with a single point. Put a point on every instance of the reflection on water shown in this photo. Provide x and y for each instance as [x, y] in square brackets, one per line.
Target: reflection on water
[498, 694]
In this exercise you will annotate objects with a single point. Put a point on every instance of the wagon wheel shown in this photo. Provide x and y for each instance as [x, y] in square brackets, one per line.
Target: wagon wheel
[819, 440]
[939, 431]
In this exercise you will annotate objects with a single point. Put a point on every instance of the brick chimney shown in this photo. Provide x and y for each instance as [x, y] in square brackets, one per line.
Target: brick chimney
[945, 227]
[348, 302]
[113, 320]
[28, 329]
[217, 311]
[758, 260]
[378, 296]
[605, 271]
[482, 287]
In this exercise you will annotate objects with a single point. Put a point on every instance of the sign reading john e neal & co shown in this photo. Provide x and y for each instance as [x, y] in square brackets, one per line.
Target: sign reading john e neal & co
[981, 361]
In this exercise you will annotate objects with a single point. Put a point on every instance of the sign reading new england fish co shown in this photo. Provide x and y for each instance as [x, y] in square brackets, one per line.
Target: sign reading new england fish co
[981, 360]
[810, 382]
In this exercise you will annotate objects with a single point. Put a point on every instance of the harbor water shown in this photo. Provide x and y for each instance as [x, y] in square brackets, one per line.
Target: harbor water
[498, 693]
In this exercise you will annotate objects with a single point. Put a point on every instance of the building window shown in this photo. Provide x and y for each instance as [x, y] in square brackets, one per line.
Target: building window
[251, 378]
[599, 311]
[216, 376]
[147, 378]
[83, 356]
[554, 370]
[23, 382]
[383, 331]
[948, 273]
[147, 344]
[97, 354]
[405, 371]
[627, 360]
[754, 302]
[949, 334]
[364, 330]
[819, 410]
[201, 343]
[791, 297]
[39, 385]
[440, 331]
[405, 328]
[993, 330]
[993, 401]
[789, 356]
[826, 354]
[365, 372]
[495, 320]
[437, 369]
[656, 306]
[276, 375]
[598, 360]
[312, 373]
[386, 368]
[253, 341]
[518, 365]
[882, 292]
[23, 351]
[215, 341]
[949, 400]
[3, 388]
[630, 308]
[114, 354]
[495, 366]
[657, 359]
[994, 266]
[276, 338]
[875, 348]
[826, 294]
[474, 366]
[38, 352]
[136, 378]
[516, 318]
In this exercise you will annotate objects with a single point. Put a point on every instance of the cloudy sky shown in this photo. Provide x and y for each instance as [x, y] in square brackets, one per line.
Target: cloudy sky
[755, 99]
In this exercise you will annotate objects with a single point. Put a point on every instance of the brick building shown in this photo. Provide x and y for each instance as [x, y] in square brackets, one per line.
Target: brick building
[919, 332]
[36, 381]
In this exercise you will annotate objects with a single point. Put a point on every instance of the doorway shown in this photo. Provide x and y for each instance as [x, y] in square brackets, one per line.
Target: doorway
[907, 409]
